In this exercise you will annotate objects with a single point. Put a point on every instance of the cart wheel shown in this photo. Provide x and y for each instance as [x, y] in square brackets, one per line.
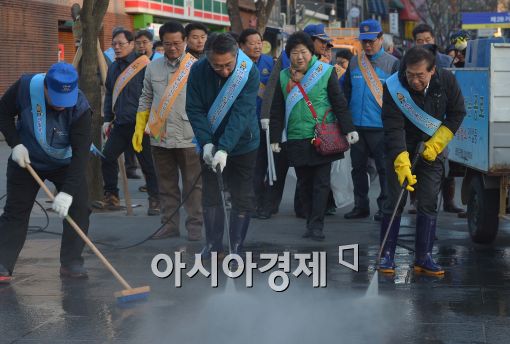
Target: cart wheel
[482, 210]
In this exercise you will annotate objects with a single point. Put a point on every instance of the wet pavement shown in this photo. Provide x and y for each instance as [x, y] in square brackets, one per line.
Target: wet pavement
[471, 304]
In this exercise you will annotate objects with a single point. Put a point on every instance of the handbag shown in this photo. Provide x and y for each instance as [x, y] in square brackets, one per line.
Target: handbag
[328, 138]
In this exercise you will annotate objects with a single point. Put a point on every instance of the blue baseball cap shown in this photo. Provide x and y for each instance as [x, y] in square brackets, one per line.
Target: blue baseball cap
[62, 84]
[317, 31]
[369, 29]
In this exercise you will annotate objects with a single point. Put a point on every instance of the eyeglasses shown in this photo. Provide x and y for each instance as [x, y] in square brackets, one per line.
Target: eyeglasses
[174, 44]
[368, 41]
[419, 76]
[296, 54]
[219, 68]
[140, 43]
[120, 44]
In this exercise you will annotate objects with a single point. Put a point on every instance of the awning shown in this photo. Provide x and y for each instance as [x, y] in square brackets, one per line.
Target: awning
[396, 4]
[377, 7]
[408, 13]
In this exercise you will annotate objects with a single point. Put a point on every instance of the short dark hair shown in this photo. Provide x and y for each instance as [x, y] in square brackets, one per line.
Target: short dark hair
[195, 26]
[248, 32]
[127, 33]
[421, 28]
[157, 44]
[145, 33]
[220, 43]
[419, 54]
[171, 27]
[297, 38]
[344, 53]
[234, 35]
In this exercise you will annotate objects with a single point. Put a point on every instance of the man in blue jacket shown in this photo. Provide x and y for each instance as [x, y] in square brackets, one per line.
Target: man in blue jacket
[363, 87]
[250, 41]
[221, 106]
[52, 133]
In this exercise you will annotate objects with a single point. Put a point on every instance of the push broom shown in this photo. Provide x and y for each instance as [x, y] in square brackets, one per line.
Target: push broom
[126, 295]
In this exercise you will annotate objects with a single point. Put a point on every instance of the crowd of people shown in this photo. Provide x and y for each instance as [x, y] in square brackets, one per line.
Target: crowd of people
[197, 104]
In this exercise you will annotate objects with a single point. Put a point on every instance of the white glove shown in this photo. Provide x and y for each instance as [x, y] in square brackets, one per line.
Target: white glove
[208, 153]
[352, 137]
[264, 123]
[105, 129]
[61, 203]
[220, 158]
[20, 155]
[275, 147]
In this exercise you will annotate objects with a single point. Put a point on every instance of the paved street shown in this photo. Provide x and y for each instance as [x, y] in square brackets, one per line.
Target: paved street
[471, 304]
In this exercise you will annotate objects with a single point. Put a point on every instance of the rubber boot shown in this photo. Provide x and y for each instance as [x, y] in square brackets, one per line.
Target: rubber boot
[214, 226]
[387, 262]
[238, 228]
[5, 275]
[448, 197]
[425, 234]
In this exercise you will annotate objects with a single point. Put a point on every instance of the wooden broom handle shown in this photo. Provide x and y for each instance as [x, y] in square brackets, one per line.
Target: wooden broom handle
[80, 232]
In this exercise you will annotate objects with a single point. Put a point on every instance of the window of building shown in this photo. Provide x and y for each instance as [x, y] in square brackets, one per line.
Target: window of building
[208, 5]
[199, 4]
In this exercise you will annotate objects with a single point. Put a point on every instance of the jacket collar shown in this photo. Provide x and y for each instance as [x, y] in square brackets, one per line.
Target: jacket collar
[176, 62]
[130, 58]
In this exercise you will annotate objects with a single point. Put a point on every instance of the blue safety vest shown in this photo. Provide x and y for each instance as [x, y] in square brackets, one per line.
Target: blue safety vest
[58, 125]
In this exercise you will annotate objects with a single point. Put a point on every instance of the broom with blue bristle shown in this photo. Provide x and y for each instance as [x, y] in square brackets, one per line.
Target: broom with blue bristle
[126, 295]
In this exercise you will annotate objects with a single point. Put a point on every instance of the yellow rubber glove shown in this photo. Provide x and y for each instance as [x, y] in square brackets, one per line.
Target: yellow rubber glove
[403, 169]
[141, 122]
[435, 145]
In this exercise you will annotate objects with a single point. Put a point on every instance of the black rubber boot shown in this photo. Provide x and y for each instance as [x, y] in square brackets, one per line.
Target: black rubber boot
[214, 226]
[238, 228]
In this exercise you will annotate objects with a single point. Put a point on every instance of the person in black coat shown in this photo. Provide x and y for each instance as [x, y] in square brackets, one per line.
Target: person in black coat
[434, 91]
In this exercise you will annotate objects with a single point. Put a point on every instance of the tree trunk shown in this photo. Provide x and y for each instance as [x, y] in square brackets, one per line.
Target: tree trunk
[236, 25]
[91, 17]
[263, 9]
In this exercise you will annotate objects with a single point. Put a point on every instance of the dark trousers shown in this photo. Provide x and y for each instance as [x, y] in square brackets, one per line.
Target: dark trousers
[314, 188]
[130, 160]
[21, 194]
[269, 197]
[260, 184]
[238, 173]
[429, 176]
[370, 144]
[119, 140]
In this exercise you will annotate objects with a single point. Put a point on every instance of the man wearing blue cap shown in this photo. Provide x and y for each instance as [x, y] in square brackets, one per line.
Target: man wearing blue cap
[320, 40]
[52, 133]
[363, 88]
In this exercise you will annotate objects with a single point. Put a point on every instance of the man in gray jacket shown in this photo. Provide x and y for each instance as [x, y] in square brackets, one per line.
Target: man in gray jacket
[162, 115]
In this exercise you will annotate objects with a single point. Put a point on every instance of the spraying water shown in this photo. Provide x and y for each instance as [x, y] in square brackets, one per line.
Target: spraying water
[373, 288]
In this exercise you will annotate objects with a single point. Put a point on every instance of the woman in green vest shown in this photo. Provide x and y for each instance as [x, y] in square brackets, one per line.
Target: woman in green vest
[292, 124]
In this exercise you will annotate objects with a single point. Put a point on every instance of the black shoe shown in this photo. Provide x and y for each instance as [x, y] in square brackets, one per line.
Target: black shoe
[357, 213]
[330, 211]
[307, 234]
[132, 175]
[154, 208]
[317, 235]
[73, 270]
[263, 214]
[143, 188]
[5, 276]
[378, 216]
[300, 216]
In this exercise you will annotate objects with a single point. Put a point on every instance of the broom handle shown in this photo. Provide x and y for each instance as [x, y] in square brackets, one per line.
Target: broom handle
[125, 185]
[80, 232]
